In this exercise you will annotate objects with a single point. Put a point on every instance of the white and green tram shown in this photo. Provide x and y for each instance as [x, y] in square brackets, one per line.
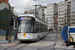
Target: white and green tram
[30, 28]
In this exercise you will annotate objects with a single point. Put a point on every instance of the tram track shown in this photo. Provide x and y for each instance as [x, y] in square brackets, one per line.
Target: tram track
[51, 47]
[22, 47]
[17, 47]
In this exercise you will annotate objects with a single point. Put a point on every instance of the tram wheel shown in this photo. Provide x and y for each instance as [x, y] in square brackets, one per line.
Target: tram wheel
[46, 35]
[43, 36]
[38, 39]
[21, 41]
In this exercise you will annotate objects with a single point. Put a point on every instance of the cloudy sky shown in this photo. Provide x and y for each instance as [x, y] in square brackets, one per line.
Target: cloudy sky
[22, 5]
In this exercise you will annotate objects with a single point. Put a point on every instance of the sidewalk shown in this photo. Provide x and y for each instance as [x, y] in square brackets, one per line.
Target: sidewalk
[12, 41]
[4, 44]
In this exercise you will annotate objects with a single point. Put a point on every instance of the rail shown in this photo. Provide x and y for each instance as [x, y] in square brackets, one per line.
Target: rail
[51, 47]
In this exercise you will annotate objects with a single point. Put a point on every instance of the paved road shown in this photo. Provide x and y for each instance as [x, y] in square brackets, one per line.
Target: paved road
[44, 44]
[63, 46]
[48, 41]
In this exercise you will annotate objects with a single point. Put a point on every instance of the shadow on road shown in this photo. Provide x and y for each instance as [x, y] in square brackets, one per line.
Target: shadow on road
[27, 42]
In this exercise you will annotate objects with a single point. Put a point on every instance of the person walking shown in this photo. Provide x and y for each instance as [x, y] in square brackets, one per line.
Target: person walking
[7, 34]
[49, 30]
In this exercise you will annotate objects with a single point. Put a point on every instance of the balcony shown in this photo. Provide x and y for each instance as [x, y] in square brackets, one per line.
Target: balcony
[55, 22]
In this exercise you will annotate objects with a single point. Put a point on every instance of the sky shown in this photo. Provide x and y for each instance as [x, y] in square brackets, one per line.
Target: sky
[24, 5]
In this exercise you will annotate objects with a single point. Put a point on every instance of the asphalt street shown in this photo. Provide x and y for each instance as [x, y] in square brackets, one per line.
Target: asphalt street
[53, 41]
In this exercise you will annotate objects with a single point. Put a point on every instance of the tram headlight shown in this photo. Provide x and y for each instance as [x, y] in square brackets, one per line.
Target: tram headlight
[19, 34]
[30, 34]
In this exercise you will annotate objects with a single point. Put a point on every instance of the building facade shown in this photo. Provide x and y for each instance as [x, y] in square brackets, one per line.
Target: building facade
[6, 11]
[55, 23]
[70, 14]
[61, 15]
[42, 12]
[30, 12]
[52, 9]
[3, 5]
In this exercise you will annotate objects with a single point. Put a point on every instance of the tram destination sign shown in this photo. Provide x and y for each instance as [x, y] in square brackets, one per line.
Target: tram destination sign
[22, 18]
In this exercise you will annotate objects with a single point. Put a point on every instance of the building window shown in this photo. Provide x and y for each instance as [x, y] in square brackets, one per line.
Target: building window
[60, 5]
[73, 12]
[73, 15]
[51, 11]
[73, 1]
[61, 14]
[42, 9]
[73, 5]
[61, 8]
[73, 9]
[50, 5]
[60, 17]
[51, 18]
[55, 20]
[61, 11]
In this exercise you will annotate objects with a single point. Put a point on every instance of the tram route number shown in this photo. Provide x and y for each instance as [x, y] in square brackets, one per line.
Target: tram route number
[24, 35]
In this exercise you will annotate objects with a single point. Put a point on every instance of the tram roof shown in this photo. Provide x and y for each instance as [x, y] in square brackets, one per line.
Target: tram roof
[32, 15]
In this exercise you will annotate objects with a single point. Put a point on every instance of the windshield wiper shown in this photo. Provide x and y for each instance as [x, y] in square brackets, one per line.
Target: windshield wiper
[29, 28]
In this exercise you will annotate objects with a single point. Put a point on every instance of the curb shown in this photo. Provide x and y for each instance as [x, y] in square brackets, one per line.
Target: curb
[15, 42]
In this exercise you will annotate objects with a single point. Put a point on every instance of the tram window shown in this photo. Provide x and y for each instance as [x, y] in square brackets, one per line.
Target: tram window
[36, 27]
[41, 27]
[45, 28]
[35, 30]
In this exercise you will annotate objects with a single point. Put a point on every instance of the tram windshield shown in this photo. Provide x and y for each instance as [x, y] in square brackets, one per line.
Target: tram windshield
[25, 25]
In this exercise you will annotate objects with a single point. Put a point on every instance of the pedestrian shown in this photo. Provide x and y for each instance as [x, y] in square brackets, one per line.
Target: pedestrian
[49, 30]
[7, 34]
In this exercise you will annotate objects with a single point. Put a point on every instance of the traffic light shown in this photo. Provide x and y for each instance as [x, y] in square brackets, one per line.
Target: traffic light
[11, 22]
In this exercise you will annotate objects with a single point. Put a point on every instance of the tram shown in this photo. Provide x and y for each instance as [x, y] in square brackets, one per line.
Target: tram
[30, 28]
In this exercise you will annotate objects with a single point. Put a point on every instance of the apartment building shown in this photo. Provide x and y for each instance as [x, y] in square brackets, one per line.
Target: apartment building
[4, 4]
[42, 12]
[70, 14]
[5, 13]
[61, 15]
[55, 23]
[52, 9]
[30, 12]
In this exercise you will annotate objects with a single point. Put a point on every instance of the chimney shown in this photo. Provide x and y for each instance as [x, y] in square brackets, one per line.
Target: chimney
[1, 1]
[6, 1]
